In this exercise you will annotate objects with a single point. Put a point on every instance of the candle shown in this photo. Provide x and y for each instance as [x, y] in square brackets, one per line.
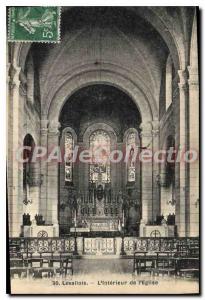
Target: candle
[75, 219]
[119, 225]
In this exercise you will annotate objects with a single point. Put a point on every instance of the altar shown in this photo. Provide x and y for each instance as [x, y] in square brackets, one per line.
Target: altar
[104, 225]
[99, 225]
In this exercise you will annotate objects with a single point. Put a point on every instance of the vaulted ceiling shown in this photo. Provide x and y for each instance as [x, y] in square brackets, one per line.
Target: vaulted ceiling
[138, 40]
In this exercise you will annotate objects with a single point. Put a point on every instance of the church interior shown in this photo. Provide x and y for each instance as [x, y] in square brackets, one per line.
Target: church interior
[124, 78]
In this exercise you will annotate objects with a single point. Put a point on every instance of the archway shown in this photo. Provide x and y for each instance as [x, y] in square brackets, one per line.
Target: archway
[104, 116]
[111, 76]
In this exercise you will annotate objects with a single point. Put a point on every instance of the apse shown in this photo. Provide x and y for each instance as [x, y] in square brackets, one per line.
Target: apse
[100, 103]
[99, 116]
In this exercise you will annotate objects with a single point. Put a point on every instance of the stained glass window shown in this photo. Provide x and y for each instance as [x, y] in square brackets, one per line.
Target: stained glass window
[131, 165]
[100, 149]
[69, 145]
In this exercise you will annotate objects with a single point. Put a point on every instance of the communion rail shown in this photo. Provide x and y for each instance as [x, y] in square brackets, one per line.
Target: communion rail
[131, 244]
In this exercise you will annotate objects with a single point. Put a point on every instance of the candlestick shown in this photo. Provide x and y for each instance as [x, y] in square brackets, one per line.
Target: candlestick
[119, 225]
[123, 218]
[75, 219]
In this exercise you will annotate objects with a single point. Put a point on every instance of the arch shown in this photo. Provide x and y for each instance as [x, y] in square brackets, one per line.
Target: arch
[29, 168]
[64, 131]
[29, 141]
[194, 45]
[107, 73]
[100, 126]
[33, 132]
[173, 40]
[90, 77]
[129, 130]
[169, 131]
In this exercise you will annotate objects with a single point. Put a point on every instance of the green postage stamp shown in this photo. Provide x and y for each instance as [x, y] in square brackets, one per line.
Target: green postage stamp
[34, 24]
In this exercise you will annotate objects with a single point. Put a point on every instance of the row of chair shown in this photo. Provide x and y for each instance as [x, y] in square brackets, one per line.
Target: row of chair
[170, 263]
[38, 265]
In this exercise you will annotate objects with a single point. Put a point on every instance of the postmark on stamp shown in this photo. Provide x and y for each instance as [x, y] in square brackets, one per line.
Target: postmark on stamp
[34, 24]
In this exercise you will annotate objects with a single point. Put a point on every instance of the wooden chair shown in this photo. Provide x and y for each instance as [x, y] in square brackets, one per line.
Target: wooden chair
[165, 264]
[46, 265]
[67, 264]
[135, 260]
[14, 249]
[188, 267]
[194, 251]
[182, 250]
[144, 262]
[62, 264]
[17, 268]
[34, 265]
[56, 264]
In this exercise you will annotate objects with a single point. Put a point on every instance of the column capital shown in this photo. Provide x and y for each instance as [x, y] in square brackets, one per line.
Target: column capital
[155, 127]
[16, 81]
[44, 126]
[8, 71]
[17, 78]
[53, 128]
[146, 128]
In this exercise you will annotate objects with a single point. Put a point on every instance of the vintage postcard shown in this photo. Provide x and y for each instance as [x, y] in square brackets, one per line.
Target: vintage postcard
[103, 150]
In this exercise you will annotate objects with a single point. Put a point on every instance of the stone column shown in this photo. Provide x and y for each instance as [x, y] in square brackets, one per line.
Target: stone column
[156, 187]
[193, 224]
[181, 166]
[164, 194]
[52, 175]
[9, 151]
[146, 174]
[43, 169]
[16, 92]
